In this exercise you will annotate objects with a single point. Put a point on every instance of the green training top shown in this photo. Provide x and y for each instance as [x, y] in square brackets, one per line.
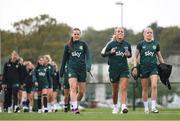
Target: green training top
[41, 75]
[77, 57]
[148, 52]
[117, 60]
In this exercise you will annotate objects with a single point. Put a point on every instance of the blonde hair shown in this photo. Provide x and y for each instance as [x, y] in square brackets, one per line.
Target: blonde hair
[26, 63]
[14, 52]
[48, 57]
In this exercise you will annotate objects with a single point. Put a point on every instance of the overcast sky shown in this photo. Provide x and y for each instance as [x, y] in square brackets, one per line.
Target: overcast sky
[99, 14]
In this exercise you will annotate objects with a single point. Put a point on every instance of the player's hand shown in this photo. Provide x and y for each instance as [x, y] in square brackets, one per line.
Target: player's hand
[113, 50]
[126, 53]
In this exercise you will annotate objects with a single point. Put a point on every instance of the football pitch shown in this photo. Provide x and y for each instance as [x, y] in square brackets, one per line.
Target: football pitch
[95, 114]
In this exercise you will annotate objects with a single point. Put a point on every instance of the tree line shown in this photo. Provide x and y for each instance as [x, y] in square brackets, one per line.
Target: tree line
[45, 35]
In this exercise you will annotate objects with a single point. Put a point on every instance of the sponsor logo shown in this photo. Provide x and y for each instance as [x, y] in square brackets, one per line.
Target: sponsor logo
[149, 53]
[8, 65]
[77, 54]
[119, 53]
[42, 74]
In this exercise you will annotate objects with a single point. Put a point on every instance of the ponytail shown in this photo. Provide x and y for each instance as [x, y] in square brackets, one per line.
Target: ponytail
[70, 42]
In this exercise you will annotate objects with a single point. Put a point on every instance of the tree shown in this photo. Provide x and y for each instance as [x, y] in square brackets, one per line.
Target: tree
[170, 41]
[37, 36]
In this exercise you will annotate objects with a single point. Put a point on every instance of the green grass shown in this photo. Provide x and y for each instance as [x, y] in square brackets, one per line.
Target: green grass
[96, 114]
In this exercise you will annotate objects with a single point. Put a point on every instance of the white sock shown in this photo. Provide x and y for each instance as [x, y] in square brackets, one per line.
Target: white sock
[123, 106]
[74, 104]
[115, 106]
[30, 108]
[153, 104]
[54, 107]
[146, 105]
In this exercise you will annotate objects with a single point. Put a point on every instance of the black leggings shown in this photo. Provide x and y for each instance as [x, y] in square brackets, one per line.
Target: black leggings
[12, 96]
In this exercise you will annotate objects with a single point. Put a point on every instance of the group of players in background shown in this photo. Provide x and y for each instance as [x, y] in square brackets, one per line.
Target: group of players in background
[23, 83]
[22, 80]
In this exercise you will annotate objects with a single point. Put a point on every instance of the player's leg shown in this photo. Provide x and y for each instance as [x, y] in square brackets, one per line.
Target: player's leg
[154, 79]
[123, 87]
[144, 84]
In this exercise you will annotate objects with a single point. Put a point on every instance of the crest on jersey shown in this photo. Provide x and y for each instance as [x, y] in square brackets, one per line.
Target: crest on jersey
[69, 74]
[154, 47]
[81, 47]
[143, 47]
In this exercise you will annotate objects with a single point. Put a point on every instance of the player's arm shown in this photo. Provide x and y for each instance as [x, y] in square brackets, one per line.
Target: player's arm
[109, 50]
[104, 49]
[160, 58]
[136, 57]
[34, 77]
[136, 60]
[64, 61]
[88, 58]
[128, 53]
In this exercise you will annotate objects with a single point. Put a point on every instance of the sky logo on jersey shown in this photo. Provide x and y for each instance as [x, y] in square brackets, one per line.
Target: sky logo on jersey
[77, 54]
[41, 74]
[149, 53]
[119, 53]
[8, 65]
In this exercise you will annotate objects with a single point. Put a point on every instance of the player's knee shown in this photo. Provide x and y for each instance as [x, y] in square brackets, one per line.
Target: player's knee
[73, 89]
[154, 87]
[145, 89]
[123, 88]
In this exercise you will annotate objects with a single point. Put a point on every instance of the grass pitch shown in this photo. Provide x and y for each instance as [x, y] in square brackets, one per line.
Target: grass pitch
[96, 114]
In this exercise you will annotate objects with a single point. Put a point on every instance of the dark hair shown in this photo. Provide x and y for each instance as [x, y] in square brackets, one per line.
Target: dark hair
[70, 42]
